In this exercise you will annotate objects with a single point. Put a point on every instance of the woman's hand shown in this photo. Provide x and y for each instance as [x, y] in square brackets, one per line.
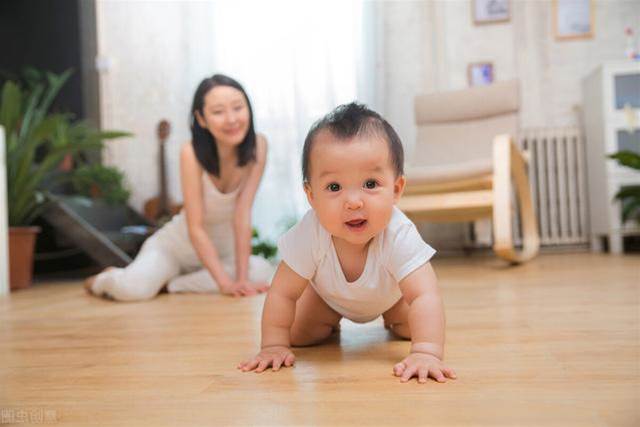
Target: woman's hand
[258, 286]
[423, 366]
[244, 288]
[275, 356]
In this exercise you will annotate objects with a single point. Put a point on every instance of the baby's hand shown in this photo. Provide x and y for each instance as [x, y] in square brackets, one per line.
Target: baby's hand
[275, 357]
[423, 365]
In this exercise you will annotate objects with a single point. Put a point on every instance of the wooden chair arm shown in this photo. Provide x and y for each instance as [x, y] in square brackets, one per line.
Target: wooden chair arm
[509, 164]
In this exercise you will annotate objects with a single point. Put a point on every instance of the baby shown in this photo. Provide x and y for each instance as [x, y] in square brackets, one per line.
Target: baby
[360, 255]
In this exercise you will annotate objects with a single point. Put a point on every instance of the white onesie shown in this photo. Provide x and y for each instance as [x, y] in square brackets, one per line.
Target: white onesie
[394, 253]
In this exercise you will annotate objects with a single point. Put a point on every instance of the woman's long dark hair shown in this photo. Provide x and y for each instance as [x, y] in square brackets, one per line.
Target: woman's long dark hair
[204, 143]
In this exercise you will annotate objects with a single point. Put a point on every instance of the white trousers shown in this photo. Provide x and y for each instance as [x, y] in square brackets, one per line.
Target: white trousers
[157, 265]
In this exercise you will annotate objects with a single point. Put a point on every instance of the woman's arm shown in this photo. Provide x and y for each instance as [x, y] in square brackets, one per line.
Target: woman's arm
[191, 181]
[244, 204]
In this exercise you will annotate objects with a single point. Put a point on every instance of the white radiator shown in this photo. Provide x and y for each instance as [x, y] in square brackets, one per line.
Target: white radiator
[558, 183]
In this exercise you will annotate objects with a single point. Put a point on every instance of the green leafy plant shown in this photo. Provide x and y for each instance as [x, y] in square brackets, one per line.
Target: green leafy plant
[37, 140]
[263, 247]
[104, 182]
[629, 195]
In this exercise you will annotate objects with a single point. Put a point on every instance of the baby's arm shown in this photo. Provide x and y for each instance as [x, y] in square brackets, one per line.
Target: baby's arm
[426, 323]
[277, 317]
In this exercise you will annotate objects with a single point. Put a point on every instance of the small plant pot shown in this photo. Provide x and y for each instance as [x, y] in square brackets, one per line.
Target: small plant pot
[21, 246]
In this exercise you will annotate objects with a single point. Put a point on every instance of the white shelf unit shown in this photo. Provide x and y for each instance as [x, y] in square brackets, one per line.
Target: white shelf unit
[611, 98]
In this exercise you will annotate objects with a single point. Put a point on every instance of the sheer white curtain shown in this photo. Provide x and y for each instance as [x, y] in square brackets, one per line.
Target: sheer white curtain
[297, 61]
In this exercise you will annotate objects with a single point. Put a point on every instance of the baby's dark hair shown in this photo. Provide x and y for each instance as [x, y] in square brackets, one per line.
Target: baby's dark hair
[349, 120]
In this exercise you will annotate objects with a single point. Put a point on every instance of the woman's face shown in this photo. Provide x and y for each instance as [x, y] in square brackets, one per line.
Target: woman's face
[225, 114]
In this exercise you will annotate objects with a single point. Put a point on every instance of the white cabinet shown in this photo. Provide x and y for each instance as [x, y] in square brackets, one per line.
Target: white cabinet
[611, 98]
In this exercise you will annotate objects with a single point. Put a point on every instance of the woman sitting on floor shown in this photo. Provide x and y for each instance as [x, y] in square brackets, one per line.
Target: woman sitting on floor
[202, 247]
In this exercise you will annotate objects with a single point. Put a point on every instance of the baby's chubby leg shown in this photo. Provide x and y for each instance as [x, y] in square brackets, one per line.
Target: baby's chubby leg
[314, 320]
[396, 319]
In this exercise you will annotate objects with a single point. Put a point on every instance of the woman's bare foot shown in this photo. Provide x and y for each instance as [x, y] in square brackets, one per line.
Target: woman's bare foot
[88, 283]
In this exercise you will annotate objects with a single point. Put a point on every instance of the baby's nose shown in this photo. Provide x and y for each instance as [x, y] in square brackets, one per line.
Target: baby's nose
[353, 202]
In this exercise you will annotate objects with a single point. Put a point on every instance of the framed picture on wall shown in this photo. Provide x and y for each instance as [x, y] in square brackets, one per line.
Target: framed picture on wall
[489, 11]
[480, 73]
[573, 19]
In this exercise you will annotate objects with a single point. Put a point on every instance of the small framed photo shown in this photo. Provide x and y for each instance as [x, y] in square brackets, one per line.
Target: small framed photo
[490, 11]
[480, 74]
[573, 19]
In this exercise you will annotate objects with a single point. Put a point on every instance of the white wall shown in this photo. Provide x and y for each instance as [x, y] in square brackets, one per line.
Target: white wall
[428, 45]
[148, 78]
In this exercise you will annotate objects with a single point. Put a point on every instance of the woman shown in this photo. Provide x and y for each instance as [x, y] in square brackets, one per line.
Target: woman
[220, 171]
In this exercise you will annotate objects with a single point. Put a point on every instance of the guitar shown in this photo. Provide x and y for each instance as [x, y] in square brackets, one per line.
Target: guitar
[160, 209]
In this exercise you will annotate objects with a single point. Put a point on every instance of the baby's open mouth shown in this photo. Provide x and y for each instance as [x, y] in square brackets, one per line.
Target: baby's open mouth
[356, 224]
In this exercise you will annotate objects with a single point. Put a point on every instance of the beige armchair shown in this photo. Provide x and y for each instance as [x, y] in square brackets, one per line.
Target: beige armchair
[466, 166]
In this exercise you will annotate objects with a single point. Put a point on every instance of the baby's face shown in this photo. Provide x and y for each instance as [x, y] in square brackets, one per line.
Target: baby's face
[352, 186]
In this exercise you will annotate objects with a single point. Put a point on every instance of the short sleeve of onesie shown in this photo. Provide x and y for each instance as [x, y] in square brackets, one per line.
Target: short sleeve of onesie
[299, 247]
[407, 252]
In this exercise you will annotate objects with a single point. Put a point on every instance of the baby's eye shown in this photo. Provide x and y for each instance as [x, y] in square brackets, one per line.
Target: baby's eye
[370, 184]
[333, 187]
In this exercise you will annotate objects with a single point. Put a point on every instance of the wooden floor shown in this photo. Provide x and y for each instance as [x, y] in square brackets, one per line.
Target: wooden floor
[553, 343]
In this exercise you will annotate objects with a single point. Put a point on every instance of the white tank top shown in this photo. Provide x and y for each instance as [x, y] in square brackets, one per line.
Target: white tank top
[219, 211]
[218, 207]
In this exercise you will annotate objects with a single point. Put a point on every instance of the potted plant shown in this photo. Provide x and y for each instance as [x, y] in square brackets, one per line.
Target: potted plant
[101, 182]
[37, 141]
[629, 196]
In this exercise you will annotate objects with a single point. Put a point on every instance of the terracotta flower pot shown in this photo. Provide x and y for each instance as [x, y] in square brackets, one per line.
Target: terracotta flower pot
[21, 247]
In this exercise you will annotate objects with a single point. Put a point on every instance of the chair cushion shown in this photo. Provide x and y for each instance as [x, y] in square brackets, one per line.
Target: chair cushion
[417, 175]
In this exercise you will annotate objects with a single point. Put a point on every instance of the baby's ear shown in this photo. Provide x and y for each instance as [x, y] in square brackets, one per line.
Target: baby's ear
[307, 190]
[398, 187]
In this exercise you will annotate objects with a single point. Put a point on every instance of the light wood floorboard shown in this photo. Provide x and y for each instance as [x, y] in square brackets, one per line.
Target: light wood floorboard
[553, 342]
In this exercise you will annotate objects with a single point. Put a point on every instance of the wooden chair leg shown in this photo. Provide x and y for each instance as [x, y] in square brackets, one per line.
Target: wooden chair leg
[508, 164]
